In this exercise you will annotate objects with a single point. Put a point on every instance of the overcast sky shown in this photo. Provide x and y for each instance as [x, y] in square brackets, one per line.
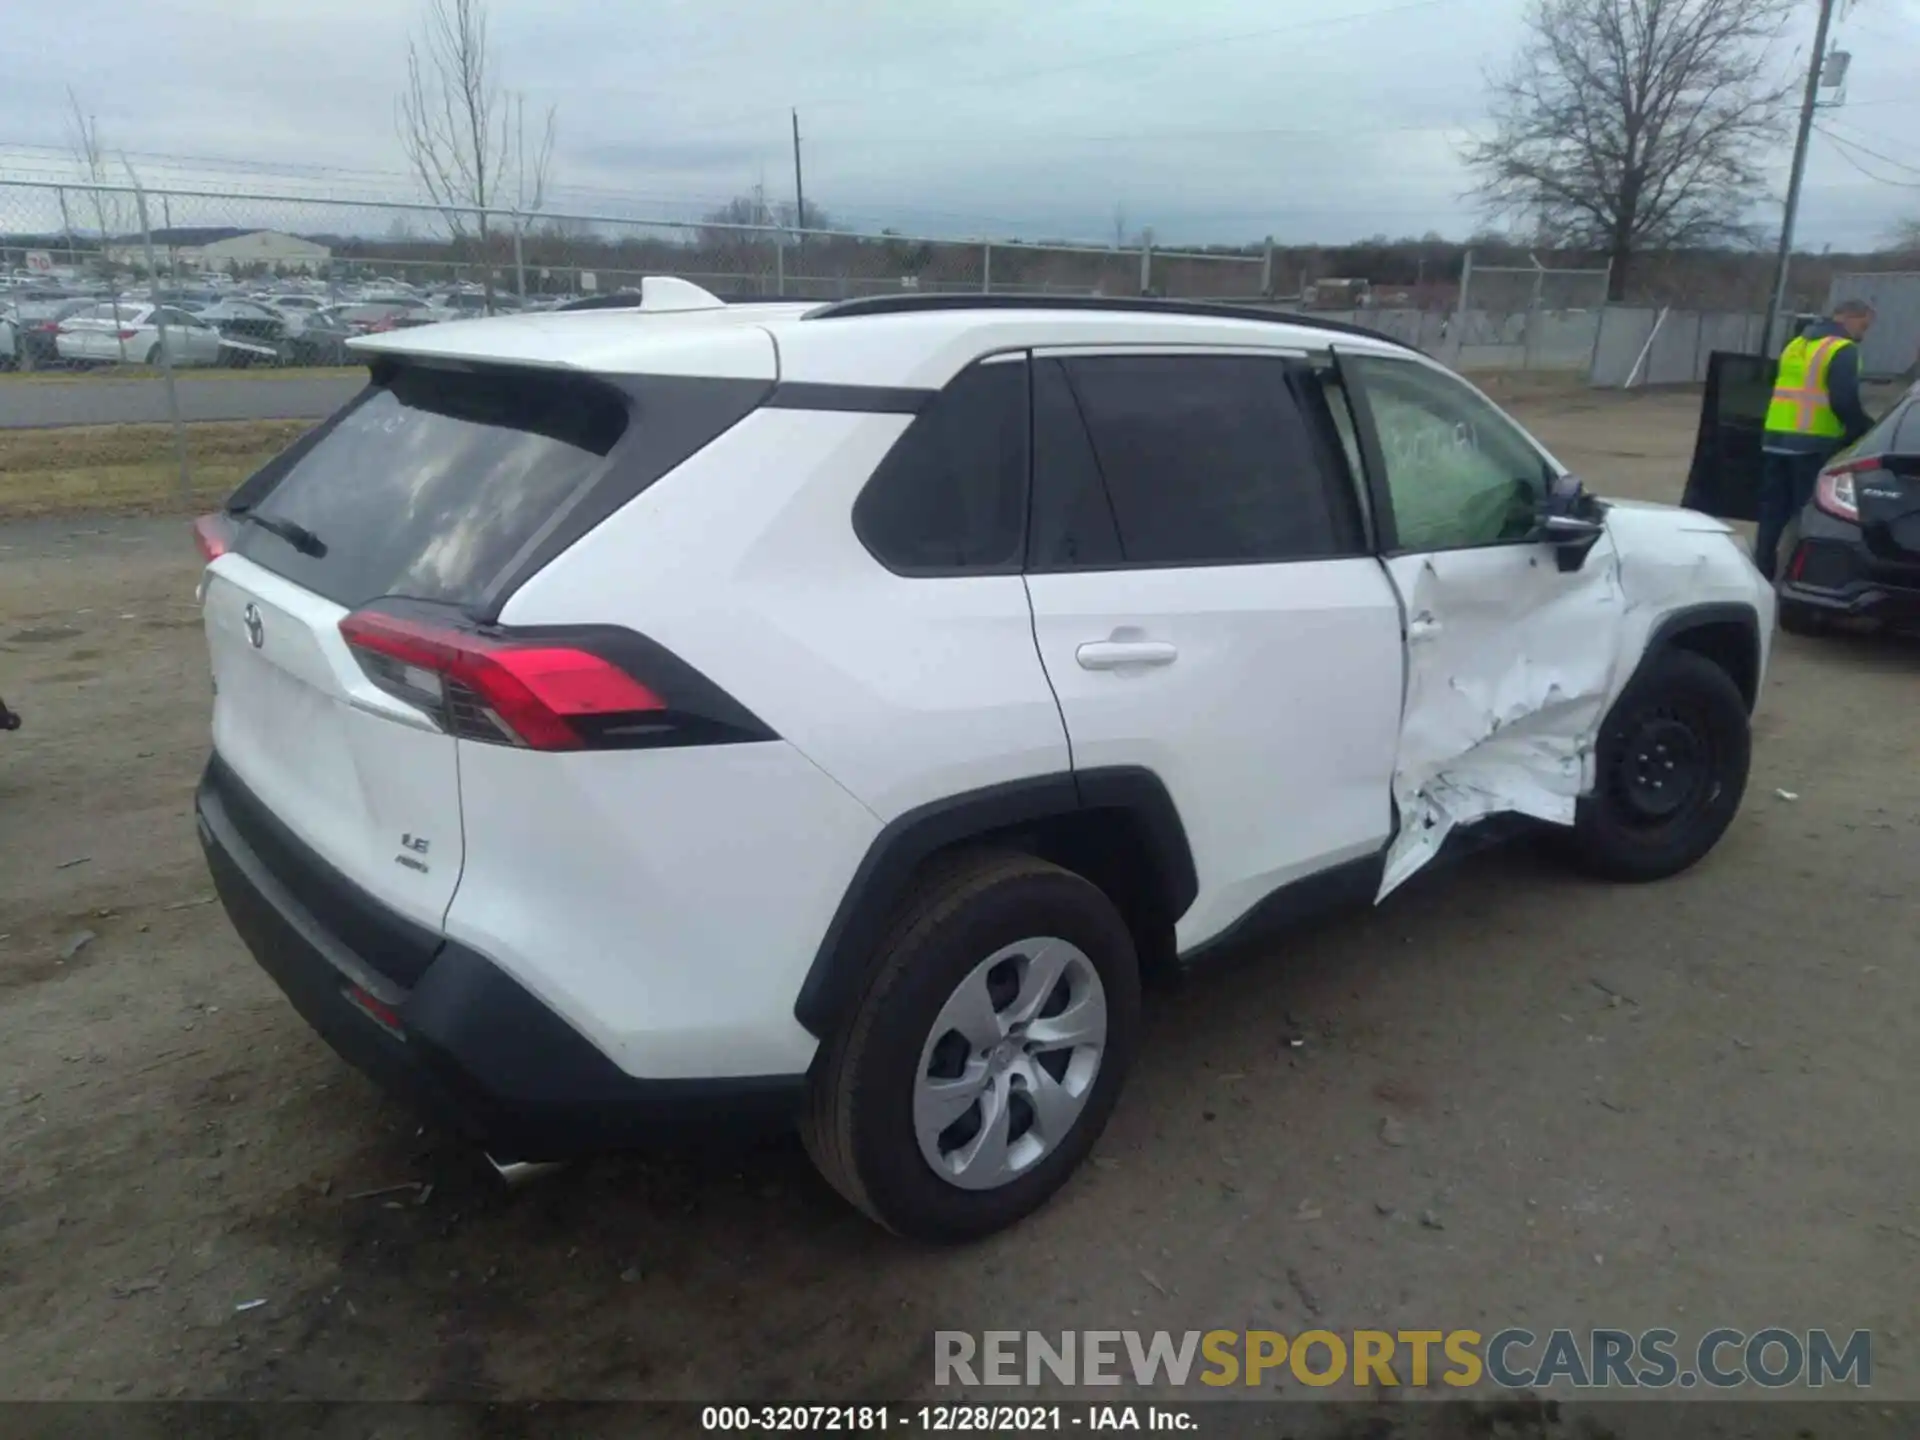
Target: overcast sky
[1208, 120]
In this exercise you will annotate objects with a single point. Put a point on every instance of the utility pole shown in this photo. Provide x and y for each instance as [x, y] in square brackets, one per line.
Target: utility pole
[1808, 105]
[799, 192]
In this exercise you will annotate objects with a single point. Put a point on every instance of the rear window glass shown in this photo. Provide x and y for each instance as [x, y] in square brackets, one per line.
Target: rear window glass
[1899, 432]
[434, 481]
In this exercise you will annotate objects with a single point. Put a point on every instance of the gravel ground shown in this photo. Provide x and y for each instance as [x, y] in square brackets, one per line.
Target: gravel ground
[1687, 1105]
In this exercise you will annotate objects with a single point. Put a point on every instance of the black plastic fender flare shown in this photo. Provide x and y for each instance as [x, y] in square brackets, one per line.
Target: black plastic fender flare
[881, 881]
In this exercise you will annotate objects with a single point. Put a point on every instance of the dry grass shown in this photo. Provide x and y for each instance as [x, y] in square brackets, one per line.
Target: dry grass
[131, 469]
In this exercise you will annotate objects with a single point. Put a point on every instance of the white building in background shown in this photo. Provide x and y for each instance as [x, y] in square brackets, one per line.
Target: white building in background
[221, 248]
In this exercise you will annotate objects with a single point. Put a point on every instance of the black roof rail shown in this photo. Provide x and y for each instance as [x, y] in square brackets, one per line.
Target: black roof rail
[1129, 304]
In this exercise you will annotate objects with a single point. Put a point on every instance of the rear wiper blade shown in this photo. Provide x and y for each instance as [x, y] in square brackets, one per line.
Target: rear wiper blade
[298, 536]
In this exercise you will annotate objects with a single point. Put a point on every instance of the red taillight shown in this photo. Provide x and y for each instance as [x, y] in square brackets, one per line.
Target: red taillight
[478, 688]
[1834, 494]
[129, 334]
[214, 535]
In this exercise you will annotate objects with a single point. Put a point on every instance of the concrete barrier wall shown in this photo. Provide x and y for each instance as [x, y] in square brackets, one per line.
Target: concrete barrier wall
[1603, 344]
[1892, 347]
[1682, 341]
[1488, 339]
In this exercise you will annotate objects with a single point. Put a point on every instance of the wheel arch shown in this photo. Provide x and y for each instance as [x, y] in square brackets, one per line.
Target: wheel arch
[1118, 827]
[1725, 633]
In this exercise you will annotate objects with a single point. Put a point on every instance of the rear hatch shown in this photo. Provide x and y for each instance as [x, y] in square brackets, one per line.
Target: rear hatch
[1877, 485]
[1889, 502]
[412, 501]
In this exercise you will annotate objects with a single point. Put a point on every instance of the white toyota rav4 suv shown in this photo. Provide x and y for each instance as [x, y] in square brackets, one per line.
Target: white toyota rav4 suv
[641, 721]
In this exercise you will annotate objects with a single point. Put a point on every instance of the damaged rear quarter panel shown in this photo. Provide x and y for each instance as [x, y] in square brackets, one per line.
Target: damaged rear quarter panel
[1512, 666]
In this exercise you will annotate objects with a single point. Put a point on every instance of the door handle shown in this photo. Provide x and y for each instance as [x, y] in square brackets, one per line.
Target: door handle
[1116, 654]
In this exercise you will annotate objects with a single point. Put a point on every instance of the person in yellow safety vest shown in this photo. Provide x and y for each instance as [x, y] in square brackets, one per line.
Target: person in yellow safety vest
[1816, 413]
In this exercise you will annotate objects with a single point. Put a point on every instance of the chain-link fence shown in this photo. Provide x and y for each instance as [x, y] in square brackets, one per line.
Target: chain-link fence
[119, 282]
[1532, 318]
[265, 280]
[111, 280]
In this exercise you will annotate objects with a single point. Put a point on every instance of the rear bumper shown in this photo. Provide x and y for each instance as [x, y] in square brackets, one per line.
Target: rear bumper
[470, 1046]
[1832, 570]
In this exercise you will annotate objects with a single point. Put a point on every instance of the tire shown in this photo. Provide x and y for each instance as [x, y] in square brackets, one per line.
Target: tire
[1681, 721]
[1798, 618]
[153, 354]
[967, 928]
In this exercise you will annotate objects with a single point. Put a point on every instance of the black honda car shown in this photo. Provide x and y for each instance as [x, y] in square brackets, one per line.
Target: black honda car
[1854, 552]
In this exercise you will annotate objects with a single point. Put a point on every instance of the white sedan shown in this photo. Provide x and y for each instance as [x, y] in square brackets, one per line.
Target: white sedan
[111, 334]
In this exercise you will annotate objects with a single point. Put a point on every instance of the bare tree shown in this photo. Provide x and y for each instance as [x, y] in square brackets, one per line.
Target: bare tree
[88, 153]
[723, 226]
[1904, 239]
[466, 145]
[1625, 126]
[91, 156]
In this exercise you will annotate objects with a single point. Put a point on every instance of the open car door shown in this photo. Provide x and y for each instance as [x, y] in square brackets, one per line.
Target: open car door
[1725, 479]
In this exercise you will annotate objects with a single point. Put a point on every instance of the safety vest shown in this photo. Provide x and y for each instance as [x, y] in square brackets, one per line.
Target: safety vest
[1802, 405]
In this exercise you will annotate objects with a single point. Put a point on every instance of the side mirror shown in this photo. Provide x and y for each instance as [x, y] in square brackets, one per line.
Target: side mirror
[1571, 521]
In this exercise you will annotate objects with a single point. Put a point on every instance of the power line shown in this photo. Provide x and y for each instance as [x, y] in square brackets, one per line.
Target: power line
[1866, 149]
[1844, 148]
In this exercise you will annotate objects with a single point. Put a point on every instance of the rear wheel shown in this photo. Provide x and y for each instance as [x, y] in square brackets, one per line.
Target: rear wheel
[153, 354]
[986, 1053]
[1799, 618]
[1672, 768]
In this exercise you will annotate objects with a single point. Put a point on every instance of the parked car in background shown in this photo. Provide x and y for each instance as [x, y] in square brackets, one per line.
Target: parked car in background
[295, 310]
[255, 335]
[370, 317]
[322, 340]
[472, 304]
[1854, 552]
[39, 320]
[9, 342]
[194, 300]
[107, 334]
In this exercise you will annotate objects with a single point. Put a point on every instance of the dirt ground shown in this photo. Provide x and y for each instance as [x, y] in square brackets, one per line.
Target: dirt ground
[1689, 1105]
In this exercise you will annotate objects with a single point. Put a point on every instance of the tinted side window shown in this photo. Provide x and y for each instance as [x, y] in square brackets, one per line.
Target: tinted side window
[1073, 523]
[951, 497]
[1207, 459]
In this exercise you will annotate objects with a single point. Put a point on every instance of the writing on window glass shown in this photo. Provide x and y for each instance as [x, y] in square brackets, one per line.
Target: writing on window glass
[1449, 490]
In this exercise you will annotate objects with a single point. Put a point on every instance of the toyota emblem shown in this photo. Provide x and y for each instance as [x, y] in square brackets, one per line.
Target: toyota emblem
[256, 631]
